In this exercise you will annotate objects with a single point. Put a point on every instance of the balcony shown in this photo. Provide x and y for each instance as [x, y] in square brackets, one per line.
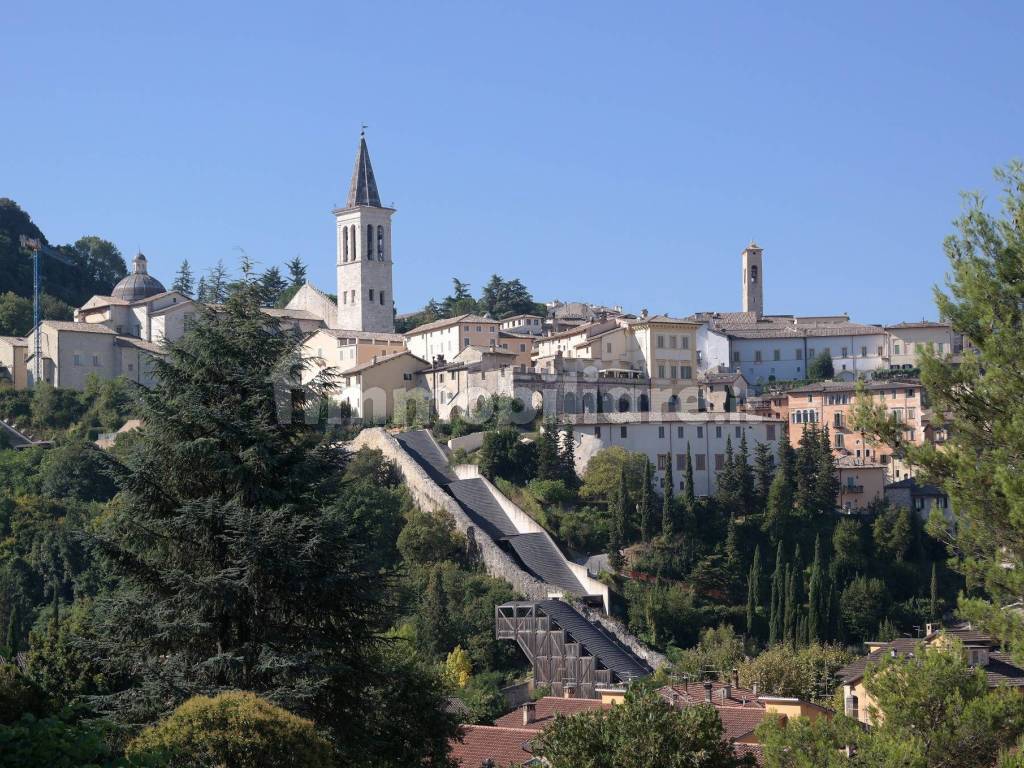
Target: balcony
[853, 489]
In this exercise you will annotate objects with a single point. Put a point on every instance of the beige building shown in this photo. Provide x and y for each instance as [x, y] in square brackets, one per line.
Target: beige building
[906, 341]
[344, 350]
[73, 352]
[13, 351]
[519, 345]
[374, 389]
[310, 299]
[468, 381]
[861, 482]
[830, 403]
[446, 338]
[530, 325]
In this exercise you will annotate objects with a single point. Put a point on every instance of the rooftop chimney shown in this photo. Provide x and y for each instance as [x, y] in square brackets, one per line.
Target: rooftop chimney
[708, 687]
[529, 712]
[735, 678]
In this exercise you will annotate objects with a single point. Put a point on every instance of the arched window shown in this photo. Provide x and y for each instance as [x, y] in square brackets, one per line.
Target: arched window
[644, 403]
[753, 273]
[624, 404]
[570, 402]
[588, 402]
[380, 242]
[673, 404]
[606, 404]
[344, 244]
[353, 253]
[369, 241]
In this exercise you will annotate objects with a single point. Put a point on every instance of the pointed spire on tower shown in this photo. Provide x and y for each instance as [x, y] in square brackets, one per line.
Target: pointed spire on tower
[363, 190]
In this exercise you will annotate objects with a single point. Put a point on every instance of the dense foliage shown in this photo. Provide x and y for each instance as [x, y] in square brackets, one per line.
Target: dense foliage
[499, 298]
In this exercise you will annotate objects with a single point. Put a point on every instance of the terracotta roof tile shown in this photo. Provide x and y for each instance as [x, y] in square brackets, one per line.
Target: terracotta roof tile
[546, 710]
[479, 743]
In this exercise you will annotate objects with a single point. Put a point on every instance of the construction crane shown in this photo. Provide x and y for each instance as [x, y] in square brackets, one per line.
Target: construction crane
[39, 248]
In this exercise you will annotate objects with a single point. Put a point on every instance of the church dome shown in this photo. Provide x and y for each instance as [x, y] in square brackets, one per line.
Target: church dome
[139, 284]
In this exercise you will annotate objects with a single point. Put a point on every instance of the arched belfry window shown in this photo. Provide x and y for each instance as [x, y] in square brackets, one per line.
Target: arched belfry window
[380, 242]
[369, 241]
[344, 244]
[353, 253]
[753, 273]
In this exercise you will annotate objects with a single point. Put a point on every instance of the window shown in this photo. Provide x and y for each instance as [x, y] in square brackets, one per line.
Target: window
[371, 294]
[680, 461]
[522, 347]
[661, 371]
[776, 354]
[679, 432]
[838, 420]
[739, 431]
[369, 241]
[662, 461]
[597, 432]
[844, 352]
[622, 432]
[96, 361]
[810, 353]
[479, 329]
[672, 342]
[352, 296]
[685, 342]
[719, 461]
[382, 298]
[828, 351]
[674, 371]
[700, 433]
[78, 359]
[661, 433]
[466, 344]
[608, 347]
[757, 355]
[911, 393]
[380, 242]
[700, 462]
[407, 377]
[661, 342]
[895, 349]
[799, 354]
[735, 357]
[770, 431]
[686, 372]
[839, 443]
[718, 432]
[911, 413]
[863, 351]
[344, 244]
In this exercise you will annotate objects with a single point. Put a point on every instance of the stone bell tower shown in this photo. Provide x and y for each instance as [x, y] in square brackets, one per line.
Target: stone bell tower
[365, 298]
[753, 279]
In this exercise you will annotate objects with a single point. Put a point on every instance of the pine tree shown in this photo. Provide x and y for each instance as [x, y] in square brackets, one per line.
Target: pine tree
[790, 610]
[567, 455]
[779, 509]
[668, 503]
[272, 285]
[184, 280]
[933, 607]
[549, 460]
[689, 492]
[806, 468]
[203, 291]
[753, 591]
[733, 561]
[433, 625]
[14, 631]
[826, 480]
[296, 271]
[645, 503]
[764, 470]
[727, 481]
[216, 284]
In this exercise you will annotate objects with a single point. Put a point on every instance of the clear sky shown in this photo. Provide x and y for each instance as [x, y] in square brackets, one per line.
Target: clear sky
[621, 153]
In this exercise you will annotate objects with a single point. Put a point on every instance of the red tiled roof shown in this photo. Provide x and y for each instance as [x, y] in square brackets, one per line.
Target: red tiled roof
[546, 709]
[505, 746]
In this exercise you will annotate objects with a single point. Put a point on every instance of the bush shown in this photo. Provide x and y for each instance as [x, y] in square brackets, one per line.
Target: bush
[237, 729]
[19, 695]
[862, 606]
[55, 742]
[805, 673]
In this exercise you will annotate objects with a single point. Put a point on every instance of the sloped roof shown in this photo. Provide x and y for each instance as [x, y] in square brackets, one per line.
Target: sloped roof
[503, 746]
[919, 324]
[446, 321]
[385, 360]
[146, 346]
[545, 710]
[596, 640]
[67, 325]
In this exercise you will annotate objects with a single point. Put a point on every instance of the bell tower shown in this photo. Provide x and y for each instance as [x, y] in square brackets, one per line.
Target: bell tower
[365, 298]
[753, 279]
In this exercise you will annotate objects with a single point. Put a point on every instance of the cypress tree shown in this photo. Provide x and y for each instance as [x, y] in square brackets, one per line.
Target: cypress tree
[826, 482]
[668, 502]
[568, 459]
[764, 470]
[733, 562]
[617, 523]
[433, 627]
[817, 621]
[806, 468]
[745, 483]
[689, 492]
[790, 607]
[549, 466]
[934, 605]
[14, 631]
[779, 508]
[778, 600]
[645, 503]
[727, 488]
[753, 591]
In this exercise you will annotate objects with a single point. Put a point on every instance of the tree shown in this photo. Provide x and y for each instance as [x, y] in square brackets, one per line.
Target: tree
[272, 285]
[216, 284]
[618, 524]
[460, 301]
[817, 596]
[753, 591]
[296, 271]
[781, 495]
[184, 280]
[667, 502]
[863, 604]
[503, 454]
[689, 492]
[15, 315]
[826, 479]
[848, 550]
[621, 737]
[205, 597]
[567, 459]
[644, 506]
[457, 668]
[601, 478]
[776, 619]
[807, 673]
[983, 398]
[237, 729]
[746, 488]
[820, 368]
[764, 470]
[893, 533]
[549, 465]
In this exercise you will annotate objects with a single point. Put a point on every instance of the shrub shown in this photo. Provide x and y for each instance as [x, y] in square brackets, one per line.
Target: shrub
[19, 695]
[238, 729]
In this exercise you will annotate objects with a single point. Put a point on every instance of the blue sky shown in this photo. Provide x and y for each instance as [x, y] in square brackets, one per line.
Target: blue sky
[608, 152]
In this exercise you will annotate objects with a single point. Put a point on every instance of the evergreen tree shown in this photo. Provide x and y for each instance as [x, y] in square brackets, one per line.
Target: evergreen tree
[14, 631]
[617, 523]
[805, 499]
[549, 460]
[645, 503]
[728, 491]
[568, 458]
[778, 601]
[817, 608]
[933, 606]
[689, 492]
[826, 481]
[790, 610]
[764, 470]
[668, 503]
[296, 271]
[216, 284]
[433, 627]
[202, 291]
[733, 561]
[184, 280]
[272, 285]
[754, 591]
[239, 556]
[745, 482]
[779, 509]
[798, 598]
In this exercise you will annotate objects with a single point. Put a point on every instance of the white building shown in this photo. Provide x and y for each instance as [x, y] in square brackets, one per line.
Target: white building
[668, 438]
[906, 341]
